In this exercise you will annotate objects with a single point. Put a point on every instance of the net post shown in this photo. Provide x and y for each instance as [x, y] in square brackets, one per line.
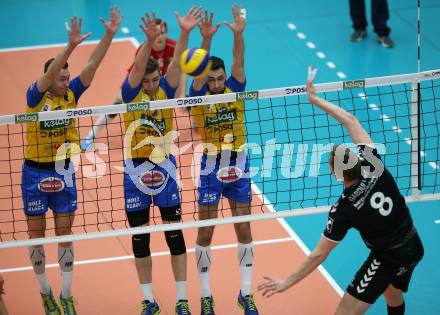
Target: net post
[415, 140]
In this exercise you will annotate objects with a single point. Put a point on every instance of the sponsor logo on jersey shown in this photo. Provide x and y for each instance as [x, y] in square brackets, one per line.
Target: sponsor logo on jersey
[229, 174]
[152, 178]
[353, 84]
[251, 95]
[51, 185]
[56, 123]
[222, 117]
[46, 108]
[159, 123]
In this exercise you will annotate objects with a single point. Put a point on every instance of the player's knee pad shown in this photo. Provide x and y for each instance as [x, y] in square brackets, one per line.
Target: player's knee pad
[176, 242]
[245, 254]
[138, 218]
[38, 258]
[66, 258]
[141, 245]
[173, 213]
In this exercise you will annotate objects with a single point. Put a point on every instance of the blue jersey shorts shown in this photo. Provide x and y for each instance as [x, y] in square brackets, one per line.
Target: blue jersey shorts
[226, 174]
[43, 189]
[146, 183]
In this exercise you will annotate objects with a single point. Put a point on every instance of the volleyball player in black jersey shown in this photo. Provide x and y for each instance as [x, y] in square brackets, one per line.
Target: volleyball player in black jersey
[372, 204]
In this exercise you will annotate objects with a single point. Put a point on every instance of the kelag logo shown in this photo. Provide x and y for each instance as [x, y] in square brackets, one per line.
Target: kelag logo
[251, 95]
[354, 84]
[221, 118]
[189, 101]
[56, 123]
[138, 107]
[78, 112]
[296, 90]
[22, 118]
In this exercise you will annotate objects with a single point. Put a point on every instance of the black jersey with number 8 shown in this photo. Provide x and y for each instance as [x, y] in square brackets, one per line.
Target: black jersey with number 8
[373, 206]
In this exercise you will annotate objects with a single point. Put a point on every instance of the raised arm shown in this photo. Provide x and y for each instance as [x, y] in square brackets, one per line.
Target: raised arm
[350, 122]
[75, 38]
[207, 30]
[187, 23]
[237, 28]
[152, 32]
[319, 254]
[111, 27]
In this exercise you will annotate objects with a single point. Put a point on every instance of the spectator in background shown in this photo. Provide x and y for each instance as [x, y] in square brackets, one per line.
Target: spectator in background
[379, 17]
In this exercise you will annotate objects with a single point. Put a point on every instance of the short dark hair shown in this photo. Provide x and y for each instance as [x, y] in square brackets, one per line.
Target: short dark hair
[217, 63]
[165, 26]
[348, 174]
[152, 65]
[49, 62]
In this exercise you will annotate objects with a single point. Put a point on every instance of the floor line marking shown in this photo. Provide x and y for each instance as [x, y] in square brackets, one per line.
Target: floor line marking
[156, 254]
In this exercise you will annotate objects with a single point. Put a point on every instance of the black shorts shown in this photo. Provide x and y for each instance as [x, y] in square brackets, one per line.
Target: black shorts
[138, 218]
[382, 269]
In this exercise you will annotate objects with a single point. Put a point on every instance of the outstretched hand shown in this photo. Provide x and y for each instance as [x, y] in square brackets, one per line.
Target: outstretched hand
[239, 20]
[74, 31]
[207, 29]
[190, 20]
[115, 20]
[150, 28]
[272, 286]
[311, 92]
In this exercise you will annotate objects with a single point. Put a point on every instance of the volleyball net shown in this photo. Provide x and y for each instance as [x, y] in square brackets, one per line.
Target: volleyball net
[287, 143]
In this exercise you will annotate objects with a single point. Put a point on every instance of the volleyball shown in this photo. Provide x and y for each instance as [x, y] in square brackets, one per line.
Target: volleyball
[195, 62]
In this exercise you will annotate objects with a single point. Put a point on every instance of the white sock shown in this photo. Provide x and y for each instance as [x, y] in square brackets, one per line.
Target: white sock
[203, 256]
[66, 284]
[38, 260]
[147, 291]
[44, 285]
[245, 255]
[65, 261]
[181, 290]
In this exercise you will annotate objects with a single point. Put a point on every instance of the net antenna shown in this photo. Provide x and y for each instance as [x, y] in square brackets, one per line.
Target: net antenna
[418, 36]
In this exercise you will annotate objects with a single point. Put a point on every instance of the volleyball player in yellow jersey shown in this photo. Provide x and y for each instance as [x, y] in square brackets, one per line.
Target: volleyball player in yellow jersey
[225, 164]
[150, 171]
[42, 186]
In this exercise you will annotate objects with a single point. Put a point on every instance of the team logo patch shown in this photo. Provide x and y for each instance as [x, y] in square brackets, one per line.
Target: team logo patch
[51, 185]
[329, 225]
[152, 178]
[229, 174]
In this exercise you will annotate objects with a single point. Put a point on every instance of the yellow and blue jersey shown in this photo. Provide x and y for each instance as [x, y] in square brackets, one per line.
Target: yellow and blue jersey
[221, 125]
[43, 138]
[149, 123]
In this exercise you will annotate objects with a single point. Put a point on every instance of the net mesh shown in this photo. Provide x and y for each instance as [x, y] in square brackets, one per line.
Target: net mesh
[288, 141]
